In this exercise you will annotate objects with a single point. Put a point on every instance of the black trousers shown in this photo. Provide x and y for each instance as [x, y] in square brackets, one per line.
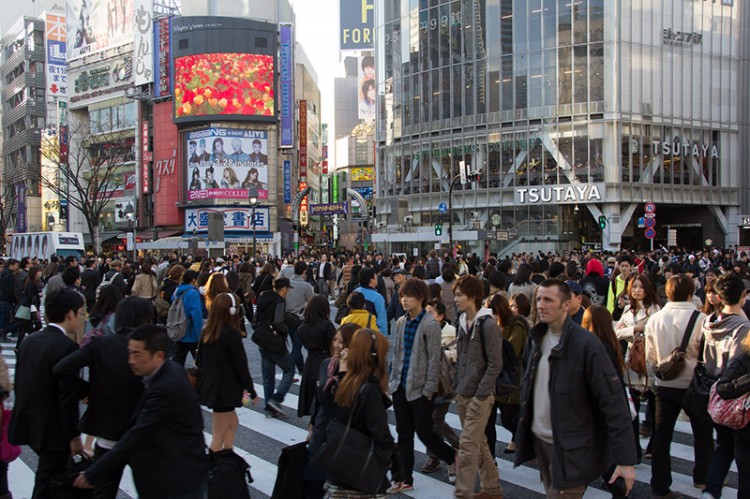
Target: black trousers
[668, 407]
[180, 351]
[50, 465]
[109, 485]
[416, 416]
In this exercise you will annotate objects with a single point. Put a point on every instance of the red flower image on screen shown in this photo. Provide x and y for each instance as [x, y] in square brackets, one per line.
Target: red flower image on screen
[212, 84]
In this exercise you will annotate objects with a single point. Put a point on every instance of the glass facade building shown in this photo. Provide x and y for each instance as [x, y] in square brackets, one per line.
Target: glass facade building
[572, 109]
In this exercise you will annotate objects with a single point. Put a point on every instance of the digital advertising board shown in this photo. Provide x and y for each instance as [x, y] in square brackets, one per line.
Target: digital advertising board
[223, 68]
[224, 84]
[222, 163]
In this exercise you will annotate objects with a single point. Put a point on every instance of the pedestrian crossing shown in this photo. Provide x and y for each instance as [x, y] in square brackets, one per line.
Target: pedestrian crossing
[260, 440]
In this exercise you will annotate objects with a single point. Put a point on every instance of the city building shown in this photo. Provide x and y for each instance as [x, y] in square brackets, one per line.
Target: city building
[591, 123]
[24, 112]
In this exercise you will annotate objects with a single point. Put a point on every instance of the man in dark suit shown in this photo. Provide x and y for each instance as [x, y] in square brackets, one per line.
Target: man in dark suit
[164, 445]
[324, 275]
[90, 280]
[45, 416]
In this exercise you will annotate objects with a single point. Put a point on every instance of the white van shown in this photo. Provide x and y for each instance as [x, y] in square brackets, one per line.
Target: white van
[43, 244]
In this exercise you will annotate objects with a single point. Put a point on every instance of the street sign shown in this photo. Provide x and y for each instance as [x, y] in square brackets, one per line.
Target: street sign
[745, 221]
[649, 233]
[496, 219]
[641, 222]
[462, 172]
[650, 223]
[649, 208]
[443, 208]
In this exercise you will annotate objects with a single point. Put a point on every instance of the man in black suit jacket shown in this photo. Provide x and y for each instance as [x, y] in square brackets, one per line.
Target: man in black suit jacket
[323, 273]
[164, 444]
[90, 280]
[45, 416]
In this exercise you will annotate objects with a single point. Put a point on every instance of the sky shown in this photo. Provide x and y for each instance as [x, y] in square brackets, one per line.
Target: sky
[318, 39]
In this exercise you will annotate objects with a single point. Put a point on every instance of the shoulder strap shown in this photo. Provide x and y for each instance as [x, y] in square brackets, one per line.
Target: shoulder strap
[689, 330]
[369, 320]
[478, 323]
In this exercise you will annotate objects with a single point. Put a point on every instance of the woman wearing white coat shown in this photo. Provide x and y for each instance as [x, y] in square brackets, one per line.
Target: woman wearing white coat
[642, 305]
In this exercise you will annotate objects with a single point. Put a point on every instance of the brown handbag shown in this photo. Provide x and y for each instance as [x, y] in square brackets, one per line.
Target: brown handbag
[637, 356]
[674, 363]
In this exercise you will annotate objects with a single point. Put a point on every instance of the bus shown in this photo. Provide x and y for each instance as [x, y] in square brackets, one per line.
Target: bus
[43, 244]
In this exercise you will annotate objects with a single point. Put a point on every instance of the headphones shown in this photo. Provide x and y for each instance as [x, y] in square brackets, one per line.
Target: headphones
[374, 351]
[233, 308]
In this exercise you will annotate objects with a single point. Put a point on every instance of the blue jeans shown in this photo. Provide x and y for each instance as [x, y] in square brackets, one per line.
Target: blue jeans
[269, 361]
[5, 310]
[297, 359]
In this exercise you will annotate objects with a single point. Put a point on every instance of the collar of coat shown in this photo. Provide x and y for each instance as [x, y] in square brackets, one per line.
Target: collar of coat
[569, 328]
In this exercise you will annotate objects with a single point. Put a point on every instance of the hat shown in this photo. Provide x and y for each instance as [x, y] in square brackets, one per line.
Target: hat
[220, 260]
[575, 287]
[398, 270]
[116, 263]
[281, 283]
[611, 259]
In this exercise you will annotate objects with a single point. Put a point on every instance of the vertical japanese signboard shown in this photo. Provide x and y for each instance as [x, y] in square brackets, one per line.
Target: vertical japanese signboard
[161, 57]
[146, 157]
[57, 69]
[286, 86]
[303, 140]
[287, 181]
[144, 42]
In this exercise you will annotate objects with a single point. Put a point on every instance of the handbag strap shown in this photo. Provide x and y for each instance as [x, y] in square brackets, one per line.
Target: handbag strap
[369, 320]
[689, 331]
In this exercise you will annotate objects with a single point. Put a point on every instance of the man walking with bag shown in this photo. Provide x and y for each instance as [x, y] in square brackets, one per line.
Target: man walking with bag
[677, 326]
[270, 324]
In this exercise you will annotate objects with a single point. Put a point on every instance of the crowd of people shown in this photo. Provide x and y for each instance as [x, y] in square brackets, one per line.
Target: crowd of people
[565, 348]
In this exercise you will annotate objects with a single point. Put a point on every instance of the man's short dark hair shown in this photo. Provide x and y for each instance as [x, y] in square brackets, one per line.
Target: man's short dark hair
[555, 270]
[472, 287]
[70, 275]
[154, 338]
[562, 288]
[90, 263]
[59, 303]
[355, 301]
[300, 267]
[71, 259]
[497, 280]
[365, 276]
[504, 266]
[258, 142]
[625, 258]
[729, 287]
[680, 288]
[189, 276]
[415, 288]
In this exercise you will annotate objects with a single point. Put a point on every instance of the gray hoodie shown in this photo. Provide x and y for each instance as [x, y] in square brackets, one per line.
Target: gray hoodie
[723, 335]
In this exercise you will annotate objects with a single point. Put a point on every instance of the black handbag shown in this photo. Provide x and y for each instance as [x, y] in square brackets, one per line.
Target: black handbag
[696, 398]
[62, 485]
[267, 338]
[228, 476]
[290, 476]
[348, 457]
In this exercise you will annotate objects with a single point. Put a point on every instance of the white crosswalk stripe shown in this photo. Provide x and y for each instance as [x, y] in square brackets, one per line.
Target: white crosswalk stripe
[290, 431]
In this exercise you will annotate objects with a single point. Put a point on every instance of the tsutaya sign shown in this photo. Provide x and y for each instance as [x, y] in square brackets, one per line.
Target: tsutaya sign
[561, 194]
[685, 149]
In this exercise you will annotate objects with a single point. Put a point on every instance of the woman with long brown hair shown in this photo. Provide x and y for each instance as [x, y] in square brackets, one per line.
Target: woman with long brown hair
[713, 302]
[363, 389]
[316, 334]
[223, 370]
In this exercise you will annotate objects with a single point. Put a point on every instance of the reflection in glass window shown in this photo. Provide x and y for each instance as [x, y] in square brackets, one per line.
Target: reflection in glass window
[549, 23]
[445, 34]
[445, 93]
[536, 79]
[494, 84]
[566, 76]
[596, 20]
[506, 26]
[564, 22]
[507, 82]
[469, 89]
[550, 77]
[519, 26]
[596, 72]
[580, 25]
[581, 74]
[520, 71]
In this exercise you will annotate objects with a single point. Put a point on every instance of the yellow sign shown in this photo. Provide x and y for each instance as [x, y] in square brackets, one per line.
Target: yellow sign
[363, 174]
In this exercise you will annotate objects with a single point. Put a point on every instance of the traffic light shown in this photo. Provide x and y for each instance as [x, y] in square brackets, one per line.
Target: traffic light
[602, 222]
[438, 229]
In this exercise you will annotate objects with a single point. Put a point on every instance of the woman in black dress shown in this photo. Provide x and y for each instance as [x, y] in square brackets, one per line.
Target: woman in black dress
[316, 333]
[224, 374]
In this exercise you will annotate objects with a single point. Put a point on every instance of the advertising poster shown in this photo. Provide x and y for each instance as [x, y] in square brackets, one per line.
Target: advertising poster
[57, 68]
[224, 162]
[96, 25]
[366, 93]
[224, 84]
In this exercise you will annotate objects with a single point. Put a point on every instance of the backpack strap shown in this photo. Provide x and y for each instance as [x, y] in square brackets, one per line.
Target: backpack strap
[369, 320]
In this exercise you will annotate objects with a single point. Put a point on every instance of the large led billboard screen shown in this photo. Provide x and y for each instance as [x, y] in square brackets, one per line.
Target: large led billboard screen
[224, 84]
[223, 163]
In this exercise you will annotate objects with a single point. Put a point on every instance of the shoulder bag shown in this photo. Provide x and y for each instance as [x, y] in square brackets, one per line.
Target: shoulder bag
[194, 373]
[696, 398]
[349, 457]
[674, 363]
[636, 359]
[732, 413]
[266, 337]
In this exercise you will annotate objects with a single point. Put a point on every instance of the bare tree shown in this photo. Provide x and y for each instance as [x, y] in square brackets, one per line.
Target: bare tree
[88, 180]
[7, 202]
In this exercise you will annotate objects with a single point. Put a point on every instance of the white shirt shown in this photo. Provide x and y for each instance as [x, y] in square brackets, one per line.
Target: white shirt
[541, 424]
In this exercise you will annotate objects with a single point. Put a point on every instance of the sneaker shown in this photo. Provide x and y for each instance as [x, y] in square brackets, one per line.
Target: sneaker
[398, 487]
[669, 495]
[452, 473]
[276, 407]
[431, 465]
[510, 449]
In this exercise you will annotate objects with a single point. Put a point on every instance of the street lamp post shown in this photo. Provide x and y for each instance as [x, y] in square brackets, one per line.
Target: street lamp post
[252, 196]
[450, 213]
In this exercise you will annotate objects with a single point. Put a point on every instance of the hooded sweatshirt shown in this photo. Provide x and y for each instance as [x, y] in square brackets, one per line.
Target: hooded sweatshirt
[594, 285]
[723, 335]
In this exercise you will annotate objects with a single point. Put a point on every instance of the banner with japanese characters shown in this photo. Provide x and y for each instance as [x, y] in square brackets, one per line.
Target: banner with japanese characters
[235, 219]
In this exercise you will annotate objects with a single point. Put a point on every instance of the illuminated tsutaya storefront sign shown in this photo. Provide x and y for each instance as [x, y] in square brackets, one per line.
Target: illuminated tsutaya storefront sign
[685, 149]
[561, 194]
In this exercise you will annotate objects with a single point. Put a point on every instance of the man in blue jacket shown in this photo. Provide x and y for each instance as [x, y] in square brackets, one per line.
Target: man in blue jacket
[195, 310]
[368, 283]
